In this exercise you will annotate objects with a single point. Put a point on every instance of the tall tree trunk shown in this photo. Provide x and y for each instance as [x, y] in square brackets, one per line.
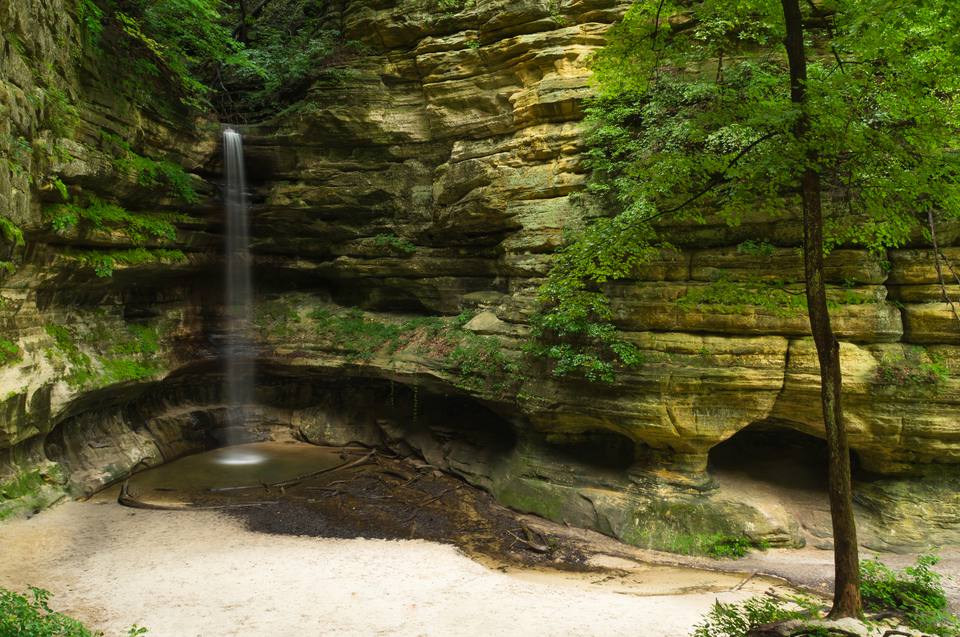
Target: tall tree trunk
[241, 31]
[846, 595]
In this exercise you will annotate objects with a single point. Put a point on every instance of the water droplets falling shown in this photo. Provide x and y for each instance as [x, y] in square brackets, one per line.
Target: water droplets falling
[239, 310]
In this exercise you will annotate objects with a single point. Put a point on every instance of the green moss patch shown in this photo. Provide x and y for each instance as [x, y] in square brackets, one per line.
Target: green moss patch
[478, 361]
[31, 491]
[99, 355]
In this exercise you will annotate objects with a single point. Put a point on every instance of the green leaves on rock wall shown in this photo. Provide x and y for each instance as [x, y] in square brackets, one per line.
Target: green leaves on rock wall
[692, 120]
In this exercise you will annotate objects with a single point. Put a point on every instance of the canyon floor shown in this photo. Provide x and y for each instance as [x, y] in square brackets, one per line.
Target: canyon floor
[368, 545]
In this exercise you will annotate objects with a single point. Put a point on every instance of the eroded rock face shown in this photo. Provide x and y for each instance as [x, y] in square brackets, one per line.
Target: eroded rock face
[436, 180]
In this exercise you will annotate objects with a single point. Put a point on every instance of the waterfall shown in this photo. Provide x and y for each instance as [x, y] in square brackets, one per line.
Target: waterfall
[239, 309]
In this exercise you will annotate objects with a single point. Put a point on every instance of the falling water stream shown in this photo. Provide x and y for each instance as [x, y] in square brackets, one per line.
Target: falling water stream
[238, 312]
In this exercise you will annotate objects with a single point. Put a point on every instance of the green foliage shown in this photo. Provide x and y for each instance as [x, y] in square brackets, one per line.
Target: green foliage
[478, 361]
[693, 118]
[735, 620]
[30, 490]
[175, 40]
[150, 172]
[141, 339]
[481, 364]
[9, 352]
[100, 215]
[60, 114]
[728, 546]
[699, 119]
[10, 232]
[916, 593]
[81, 367]
[91, 17]
[454, 6]
[123, 369]
[104, 262]
[119, 355]
[23, 484]
[756, 248]
[32, 616]
[732, 297]
[915, 367]
[289, 45]
[393, 243]
[575, 328]
[362, 338]
[276, 318]
[60, 187]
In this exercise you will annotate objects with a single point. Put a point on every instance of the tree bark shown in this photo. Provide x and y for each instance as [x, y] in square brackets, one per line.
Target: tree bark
[846, 595]
[241, 31]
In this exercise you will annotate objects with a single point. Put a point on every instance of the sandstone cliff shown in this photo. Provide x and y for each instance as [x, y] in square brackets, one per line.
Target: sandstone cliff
[405, 212]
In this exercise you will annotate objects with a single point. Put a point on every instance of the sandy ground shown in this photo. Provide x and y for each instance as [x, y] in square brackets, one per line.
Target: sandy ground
[201, 573]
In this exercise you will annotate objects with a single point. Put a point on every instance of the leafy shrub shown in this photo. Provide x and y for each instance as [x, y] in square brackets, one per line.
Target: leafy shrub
[23, 616]
[915, 593]
[81, 367]
[360, 337]
[31, 616]
[734, 620]
[481, 363]
[11, 232]
[728, 546]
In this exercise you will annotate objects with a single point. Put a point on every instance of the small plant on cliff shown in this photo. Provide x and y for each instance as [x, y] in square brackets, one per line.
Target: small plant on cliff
[756, 248]
[393, 243]
[11, 232]
[9, 352]
[104, 262]
[729, 547]
[916, 367]
[360, 337]
[574, 329]
[726, 296]
[81, 367]
[481, 364]
[150, 172]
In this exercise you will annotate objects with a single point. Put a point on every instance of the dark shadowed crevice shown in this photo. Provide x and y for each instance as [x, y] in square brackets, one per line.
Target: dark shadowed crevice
[596, 450]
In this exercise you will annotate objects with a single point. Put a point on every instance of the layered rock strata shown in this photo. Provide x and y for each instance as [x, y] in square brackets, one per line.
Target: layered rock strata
[435, 179]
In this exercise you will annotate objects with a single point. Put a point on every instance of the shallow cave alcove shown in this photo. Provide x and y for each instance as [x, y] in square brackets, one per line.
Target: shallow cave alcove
[777, 461]
[773, 454]
[596, 450]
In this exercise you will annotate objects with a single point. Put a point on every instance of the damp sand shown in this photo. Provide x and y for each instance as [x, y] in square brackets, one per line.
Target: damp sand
[201, 573]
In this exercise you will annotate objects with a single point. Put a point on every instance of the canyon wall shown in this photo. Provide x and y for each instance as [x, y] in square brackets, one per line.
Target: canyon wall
[405, 212]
